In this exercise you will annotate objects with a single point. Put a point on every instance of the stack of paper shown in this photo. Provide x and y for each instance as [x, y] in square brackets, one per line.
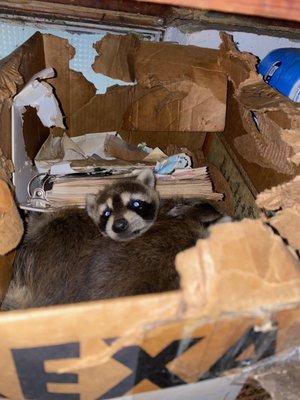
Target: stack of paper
[192, 183]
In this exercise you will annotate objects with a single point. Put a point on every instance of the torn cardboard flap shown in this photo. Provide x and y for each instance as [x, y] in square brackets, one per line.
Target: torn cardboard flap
[40, 95]
[214, 280]
[237, 65]
[129, 56]
[116, 56]
[179, 88]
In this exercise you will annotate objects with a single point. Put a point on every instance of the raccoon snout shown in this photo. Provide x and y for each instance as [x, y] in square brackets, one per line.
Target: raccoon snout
[120, 225]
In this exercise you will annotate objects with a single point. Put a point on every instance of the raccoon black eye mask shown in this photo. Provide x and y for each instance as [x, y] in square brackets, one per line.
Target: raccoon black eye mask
[127, 209]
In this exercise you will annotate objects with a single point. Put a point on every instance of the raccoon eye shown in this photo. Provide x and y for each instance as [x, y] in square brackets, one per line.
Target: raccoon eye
[135, 203]
[106, 213]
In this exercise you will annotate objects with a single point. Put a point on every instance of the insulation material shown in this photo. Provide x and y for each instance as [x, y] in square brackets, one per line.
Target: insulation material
[265, 112]
[181, 88]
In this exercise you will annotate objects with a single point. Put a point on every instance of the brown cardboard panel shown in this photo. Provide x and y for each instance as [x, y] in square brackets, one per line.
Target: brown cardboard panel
[103, 343]
[214, 277]
[179, 87]
[261, 177]
[153, 108]
[103, 112]
[183, 105]
[11, 225]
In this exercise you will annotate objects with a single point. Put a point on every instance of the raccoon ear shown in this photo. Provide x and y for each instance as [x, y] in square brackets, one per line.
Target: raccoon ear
[91, 207]
[146, 176]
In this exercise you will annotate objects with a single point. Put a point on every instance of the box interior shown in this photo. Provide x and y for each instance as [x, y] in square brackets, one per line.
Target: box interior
[200, 332]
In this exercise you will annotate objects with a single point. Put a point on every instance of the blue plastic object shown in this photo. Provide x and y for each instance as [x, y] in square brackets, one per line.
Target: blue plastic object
[281, 70]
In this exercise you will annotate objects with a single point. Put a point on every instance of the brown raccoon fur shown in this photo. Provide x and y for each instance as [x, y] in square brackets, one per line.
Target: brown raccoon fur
[65, 258]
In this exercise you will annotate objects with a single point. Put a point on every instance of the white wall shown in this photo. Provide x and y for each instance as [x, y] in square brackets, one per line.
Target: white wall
[260, 45]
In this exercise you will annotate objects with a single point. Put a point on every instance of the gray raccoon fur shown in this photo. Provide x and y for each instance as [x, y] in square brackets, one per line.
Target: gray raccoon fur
[64, 257]
[67, 260]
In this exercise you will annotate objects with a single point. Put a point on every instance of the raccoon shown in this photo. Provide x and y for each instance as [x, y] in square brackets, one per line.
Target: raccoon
[113, 248]
[126, 209]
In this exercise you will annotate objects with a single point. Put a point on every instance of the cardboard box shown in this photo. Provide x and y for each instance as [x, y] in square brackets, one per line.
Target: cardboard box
[239, 301]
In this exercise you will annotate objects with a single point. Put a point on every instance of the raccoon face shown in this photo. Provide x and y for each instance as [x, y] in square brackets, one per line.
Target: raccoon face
[126, 209]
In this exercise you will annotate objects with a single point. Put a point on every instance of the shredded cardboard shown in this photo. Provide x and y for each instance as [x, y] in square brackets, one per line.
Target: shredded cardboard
[265, 112]
[263, 144]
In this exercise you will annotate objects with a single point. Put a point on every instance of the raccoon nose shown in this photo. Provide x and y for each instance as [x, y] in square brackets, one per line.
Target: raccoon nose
[120, 225]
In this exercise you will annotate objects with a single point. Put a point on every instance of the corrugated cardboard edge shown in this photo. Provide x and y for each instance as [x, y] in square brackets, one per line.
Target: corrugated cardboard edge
[263, 144]
[284, 202]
